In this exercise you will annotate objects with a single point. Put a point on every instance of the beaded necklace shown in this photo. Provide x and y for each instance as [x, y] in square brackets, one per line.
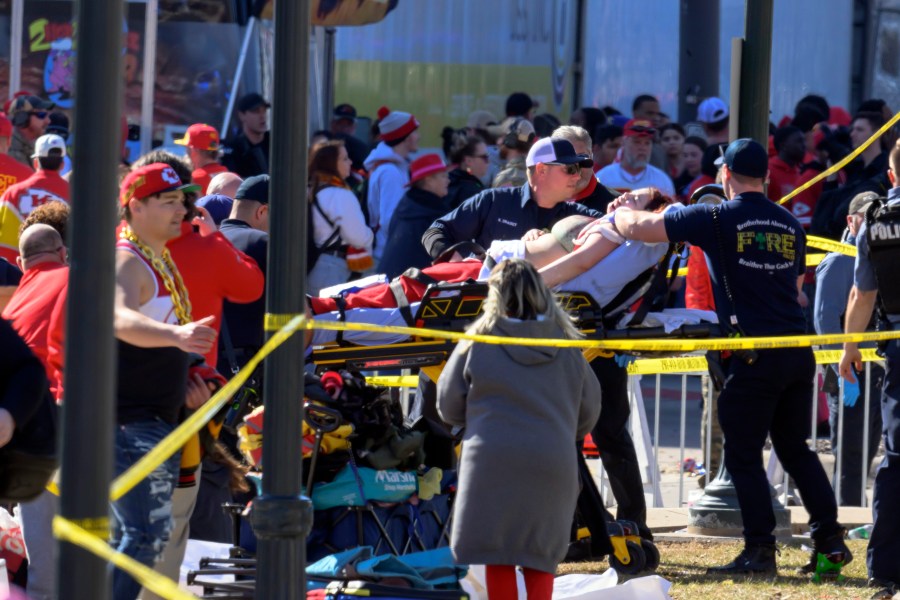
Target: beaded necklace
[168, 272]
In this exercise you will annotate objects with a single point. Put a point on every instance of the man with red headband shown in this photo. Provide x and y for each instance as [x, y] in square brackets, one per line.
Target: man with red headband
[155, 332]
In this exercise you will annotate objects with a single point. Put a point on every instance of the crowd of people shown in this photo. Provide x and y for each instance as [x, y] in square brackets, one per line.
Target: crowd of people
[607, 190]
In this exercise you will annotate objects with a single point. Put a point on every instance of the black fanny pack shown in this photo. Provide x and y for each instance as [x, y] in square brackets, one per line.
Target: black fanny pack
[24, 476]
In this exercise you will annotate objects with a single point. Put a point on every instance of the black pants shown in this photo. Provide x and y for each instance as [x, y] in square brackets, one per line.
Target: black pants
[884, 544]
[772, 398]
[615, 444]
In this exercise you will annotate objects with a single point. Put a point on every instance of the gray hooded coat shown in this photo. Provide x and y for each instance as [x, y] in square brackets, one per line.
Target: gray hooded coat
[523, 408]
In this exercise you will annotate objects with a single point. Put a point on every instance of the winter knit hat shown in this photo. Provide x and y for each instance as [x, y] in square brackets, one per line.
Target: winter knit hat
[394, 125]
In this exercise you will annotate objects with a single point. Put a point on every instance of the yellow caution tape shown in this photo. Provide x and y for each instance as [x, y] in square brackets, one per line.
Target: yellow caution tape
[830, 245]
[163, 586]
[175, 440]
[813, 260]
[845, 161]
[657, 345]
[409, 381]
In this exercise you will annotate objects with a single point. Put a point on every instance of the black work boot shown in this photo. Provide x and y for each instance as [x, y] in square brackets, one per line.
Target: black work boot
[886, 589]
[834, 549]
[757, 558]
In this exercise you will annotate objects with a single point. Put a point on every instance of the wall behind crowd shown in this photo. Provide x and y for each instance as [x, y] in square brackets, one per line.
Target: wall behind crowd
[639, 55]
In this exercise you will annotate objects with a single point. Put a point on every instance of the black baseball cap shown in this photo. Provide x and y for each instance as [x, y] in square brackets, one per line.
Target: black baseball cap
[518, 104]
[745, 157]
[251, 101]
[254, 188]
[555, 151]
[344, 111]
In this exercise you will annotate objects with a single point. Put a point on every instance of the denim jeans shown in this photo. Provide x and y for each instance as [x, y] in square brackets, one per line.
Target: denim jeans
[142, 518]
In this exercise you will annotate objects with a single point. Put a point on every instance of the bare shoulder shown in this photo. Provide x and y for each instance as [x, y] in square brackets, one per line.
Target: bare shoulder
[134, 282]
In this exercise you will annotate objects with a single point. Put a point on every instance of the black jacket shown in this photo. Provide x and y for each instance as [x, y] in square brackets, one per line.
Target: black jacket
[829, 216]
[416, 211]
[244, 321]
[246, 159]
[25, 394]
[462, 187]
[496, 214]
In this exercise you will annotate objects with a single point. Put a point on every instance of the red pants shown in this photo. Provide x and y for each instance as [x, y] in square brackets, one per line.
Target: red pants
[501, 583]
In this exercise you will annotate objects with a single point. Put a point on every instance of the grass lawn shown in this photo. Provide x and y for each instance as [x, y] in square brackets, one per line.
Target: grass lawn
[685, 563]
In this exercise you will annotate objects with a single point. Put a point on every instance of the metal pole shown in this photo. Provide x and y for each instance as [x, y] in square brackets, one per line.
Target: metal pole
[281, 516]
[865, 447]
[15, 43]
[151, 19]
[698, 58]
[656, 408]
[838, 471]
[756, 65]
[329, 51]
[681, 440]
[815, 419]
[87, 436]
[238, 74]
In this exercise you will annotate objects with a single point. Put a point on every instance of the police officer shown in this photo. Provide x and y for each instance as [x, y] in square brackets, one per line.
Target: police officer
[554, 172]
[878, 251]
[757, 252]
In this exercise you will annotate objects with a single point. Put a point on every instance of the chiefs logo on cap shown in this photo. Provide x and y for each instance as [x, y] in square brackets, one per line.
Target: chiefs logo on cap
[155, 178]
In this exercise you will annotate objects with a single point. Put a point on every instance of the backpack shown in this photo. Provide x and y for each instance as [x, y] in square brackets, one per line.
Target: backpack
[333, 242]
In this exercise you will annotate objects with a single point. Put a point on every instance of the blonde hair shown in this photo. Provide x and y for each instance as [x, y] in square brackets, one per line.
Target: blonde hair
[517, 291]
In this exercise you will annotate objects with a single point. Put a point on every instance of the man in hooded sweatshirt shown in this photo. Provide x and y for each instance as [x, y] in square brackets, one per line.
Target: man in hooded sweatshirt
[388, 169]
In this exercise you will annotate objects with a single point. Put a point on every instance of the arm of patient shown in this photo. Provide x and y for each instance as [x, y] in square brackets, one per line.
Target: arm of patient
[594, 249]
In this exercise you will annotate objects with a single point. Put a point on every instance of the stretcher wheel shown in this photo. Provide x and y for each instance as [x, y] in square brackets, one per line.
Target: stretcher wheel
[652, 554]
[637, 556]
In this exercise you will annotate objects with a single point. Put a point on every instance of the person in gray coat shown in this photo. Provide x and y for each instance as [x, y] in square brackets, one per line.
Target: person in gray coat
[523, 407]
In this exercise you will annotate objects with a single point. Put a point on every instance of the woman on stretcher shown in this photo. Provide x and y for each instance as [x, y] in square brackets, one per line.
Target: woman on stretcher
[579, 254]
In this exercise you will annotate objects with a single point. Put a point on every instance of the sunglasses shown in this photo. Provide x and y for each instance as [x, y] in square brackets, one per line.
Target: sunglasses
[40, 114]
[574, 168]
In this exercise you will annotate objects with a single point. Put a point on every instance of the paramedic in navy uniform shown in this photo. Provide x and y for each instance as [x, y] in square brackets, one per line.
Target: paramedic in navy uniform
[762, 249]
[878, 252]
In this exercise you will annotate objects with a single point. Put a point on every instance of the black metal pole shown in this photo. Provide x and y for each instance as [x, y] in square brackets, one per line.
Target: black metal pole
[281, 517]
[756, 66]
[87, 435]
[698, 58]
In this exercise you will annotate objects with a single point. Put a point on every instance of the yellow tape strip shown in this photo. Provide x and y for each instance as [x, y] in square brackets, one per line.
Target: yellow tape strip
[163, 586]
[175, 440]
[659, 345]
[409, 381]
[845, 161]
[830, 245]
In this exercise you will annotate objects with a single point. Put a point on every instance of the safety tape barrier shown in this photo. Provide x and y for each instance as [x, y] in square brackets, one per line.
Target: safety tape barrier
[830, 246]
[843, 162]
[644, 366]
[655, 345]
[71, 532]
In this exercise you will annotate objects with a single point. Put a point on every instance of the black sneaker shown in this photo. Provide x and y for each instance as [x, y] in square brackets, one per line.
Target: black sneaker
[886, 589]
[834, 549]
[752, 559]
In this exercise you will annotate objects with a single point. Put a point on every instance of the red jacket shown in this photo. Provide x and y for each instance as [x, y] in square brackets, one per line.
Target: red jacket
[213, 270]
[203, 175]
[41, 291]
[698, 291]
[20, 199]
[782, 178]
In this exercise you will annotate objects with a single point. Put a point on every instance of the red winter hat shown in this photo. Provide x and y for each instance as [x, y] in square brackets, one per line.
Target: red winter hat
[155, 178]
[425, 165]
[394, 124]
